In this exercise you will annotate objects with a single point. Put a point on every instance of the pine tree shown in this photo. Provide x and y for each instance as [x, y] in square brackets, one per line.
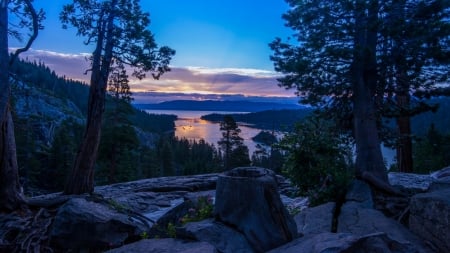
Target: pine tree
[338, 63]
[234, 151]
[119, 31]
[11, 196]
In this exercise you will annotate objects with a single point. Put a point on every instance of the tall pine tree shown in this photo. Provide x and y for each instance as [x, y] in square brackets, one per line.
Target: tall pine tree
[235, 153]
[118, 29]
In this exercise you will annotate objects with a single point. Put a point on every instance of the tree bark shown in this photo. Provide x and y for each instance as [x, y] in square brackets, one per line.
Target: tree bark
[11, 197]
[369, 160]
[248, 198]
[403, 98]
[404, 144]
[81, 178]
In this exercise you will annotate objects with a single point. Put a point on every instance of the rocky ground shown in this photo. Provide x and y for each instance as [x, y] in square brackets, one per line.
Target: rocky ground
[175, 214]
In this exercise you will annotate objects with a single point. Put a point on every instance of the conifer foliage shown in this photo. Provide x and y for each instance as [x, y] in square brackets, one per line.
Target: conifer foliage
[235, 153]
[352, 58]
[118, 29]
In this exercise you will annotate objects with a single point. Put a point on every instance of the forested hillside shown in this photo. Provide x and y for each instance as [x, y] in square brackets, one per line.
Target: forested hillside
[49, 119]
[281, 120]
[49, 115]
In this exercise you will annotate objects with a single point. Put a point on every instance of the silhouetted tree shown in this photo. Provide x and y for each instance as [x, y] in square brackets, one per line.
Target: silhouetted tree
[414, 54]
[118, 29]
[337, 63]
[235, 153]
[11, 196]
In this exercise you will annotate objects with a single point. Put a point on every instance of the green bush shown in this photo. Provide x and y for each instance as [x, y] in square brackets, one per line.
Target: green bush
[318, 160]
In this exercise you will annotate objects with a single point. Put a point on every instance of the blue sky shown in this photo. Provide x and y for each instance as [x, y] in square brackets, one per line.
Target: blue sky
[222, 46]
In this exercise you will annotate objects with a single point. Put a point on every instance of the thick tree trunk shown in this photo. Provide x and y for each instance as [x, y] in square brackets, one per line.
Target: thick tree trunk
[248, 198]
[81, 178]
[368, 151]
[369, 160]
[11, 197]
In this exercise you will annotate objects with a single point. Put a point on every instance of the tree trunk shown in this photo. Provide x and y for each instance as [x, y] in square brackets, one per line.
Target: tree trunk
[81, 178]
[248, 199]
[369, 160]
[403, 99]
[11, 197]
[404, 144]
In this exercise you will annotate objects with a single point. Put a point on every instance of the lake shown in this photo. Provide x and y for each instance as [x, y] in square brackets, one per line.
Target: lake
[190, 126]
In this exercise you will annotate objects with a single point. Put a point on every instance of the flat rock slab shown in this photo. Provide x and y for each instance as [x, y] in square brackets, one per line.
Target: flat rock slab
[224, 238]
[415, 182]
[344, 243]
[167, 245]
[430, 218]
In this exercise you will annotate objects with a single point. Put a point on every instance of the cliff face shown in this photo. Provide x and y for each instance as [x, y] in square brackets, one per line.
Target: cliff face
[42, 113]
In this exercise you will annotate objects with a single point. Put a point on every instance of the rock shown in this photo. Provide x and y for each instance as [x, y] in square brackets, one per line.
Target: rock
[247, 198]
[316, 219]
[360, 192]
[223, 238]
[344, 242]
[441, 179]
[295, 205]
[410, 181]
[362, 221]
[82, 224]
[168, 245]
[442, 173]
[430, 218]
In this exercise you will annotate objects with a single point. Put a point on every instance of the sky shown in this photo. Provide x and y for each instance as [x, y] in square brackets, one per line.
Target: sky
[221, 48]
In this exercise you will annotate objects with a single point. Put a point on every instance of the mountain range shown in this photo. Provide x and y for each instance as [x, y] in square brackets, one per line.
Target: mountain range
[215, 105]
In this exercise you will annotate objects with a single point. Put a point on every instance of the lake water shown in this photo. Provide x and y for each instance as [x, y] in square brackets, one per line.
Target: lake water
[190, 126]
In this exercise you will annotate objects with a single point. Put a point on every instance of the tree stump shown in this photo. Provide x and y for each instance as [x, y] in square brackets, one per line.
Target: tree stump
[247, 199]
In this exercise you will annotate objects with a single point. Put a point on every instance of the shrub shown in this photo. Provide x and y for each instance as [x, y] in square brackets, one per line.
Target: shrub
[318, 160]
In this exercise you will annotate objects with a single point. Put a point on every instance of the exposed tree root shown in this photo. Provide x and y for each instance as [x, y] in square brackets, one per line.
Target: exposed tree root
[380, 184]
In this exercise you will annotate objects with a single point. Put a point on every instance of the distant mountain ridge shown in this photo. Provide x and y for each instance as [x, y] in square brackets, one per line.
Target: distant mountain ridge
[214, 105]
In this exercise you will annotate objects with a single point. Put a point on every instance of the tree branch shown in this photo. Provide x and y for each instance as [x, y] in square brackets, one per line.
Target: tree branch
[35, 18]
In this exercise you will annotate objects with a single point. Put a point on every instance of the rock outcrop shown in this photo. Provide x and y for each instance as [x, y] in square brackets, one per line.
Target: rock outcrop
[167, 245]
[430, 218]
[128, 214]
[247, 198]
[81, 224]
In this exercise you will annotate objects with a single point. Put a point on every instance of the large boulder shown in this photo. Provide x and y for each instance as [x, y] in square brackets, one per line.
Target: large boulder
[82, 224]
[315, 220]
[224, 238]
[168, 245]
[248, 199]
[430, 218]
[361, 221]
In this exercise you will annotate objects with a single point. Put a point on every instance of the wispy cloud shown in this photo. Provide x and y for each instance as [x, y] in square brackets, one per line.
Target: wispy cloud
[181, 80]
[70, 65]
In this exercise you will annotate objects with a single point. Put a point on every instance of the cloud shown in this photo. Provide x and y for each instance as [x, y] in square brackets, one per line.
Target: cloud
[158, 97]
[180, 80]
[70, 65]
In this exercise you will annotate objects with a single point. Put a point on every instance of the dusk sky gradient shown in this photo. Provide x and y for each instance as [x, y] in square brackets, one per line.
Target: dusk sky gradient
[221, 46]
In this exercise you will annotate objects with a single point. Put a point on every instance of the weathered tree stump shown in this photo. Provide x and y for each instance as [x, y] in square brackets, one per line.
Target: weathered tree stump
[247, 199]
